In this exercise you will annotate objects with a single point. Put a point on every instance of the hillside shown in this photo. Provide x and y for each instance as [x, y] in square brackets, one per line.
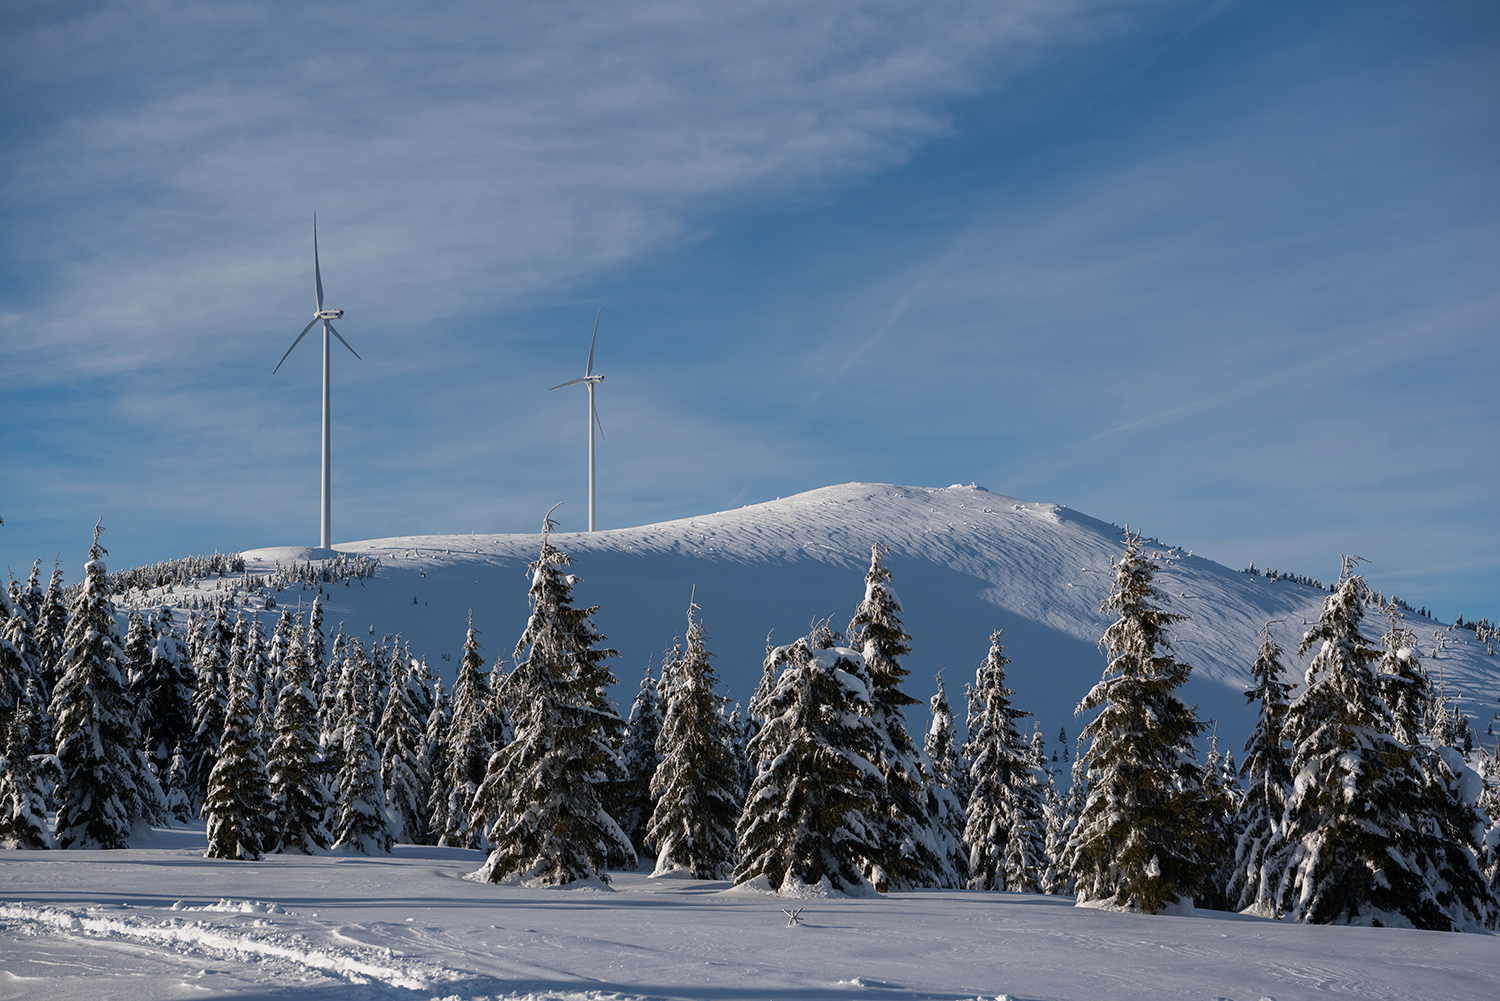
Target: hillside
[966, 562]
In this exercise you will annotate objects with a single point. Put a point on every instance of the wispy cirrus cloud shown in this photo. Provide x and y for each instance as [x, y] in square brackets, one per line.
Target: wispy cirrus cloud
[462, 157]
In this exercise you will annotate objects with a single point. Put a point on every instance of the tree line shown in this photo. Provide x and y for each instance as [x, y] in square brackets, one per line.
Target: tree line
[1354, 803]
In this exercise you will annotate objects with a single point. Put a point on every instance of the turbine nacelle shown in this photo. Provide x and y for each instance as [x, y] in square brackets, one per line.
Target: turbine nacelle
[328, 314]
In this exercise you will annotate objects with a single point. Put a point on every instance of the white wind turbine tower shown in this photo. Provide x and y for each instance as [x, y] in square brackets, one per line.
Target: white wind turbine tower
[323, 315]
[590, 380]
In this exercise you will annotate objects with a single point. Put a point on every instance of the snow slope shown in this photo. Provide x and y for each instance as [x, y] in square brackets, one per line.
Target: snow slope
[163, 922]
[966, 562]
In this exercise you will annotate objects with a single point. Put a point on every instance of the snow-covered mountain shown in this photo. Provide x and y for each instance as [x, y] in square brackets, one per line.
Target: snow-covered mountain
[966, 562]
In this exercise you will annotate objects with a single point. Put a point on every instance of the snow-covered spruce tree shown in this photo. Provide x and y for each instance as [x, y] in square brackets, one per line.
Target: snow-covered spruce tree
[909, 852]
[696, 786]
[238, 802]
[1448, 833]
[300, 800]
[18, 626]
[166, 710]
[1026, 861]
[400, 739]
[210, 699]
[23, 775]
[435, 762]
[1144, 839]
[808, 813]
[542, 793]
[1267, 775]
[363, 823]
[951, 788]
[52, 630]
[467, 755]
[1360, 827]
[630, 799]
[1005, 834]
[176, 786]
[106, 787]
[1221, 790]
[1058, 878]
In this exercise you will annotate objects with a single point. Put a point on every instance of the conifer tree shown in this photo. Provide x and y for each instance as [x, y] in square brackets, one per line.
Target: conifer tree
[23, 772]
[167, 697]
[435, 763]
[811, 810]
[106, 787]
[300, 801]
[1144, 839]
[696, 786]
[1221, 793]
[630, 799]
[400, 739]
[363, 823]
[52, 630]
[176, 788]
[18, 627]
[1005, 833]
[951, 787]
[1362, 833]
[1267, 774]
[238, 801]
[542, 793]
[908, 853]
[468, 752]
[210, 699]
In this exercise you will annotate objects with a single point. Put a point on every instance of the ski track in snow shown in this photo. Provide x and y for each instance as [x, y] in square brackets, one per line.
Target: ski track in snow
[163, 922]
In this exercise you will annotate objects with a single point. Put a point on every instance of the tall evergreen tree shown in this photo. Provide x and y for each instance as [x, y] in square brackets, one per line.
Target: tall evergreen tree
[52, 630]
[467, 755]
[238, 801]
[167, 697]
[300, 801]
[696, 786]
[1267, 774]
[363, 822]
[1145, 836]
[23, 773]
[908, 853]
[1005, 834]
[542, 792]
[401, 738]
[106, 786]
[812, 810]
[210, 699]
[951, 787]
[1360, 829]
[630, 799]
[435, 763]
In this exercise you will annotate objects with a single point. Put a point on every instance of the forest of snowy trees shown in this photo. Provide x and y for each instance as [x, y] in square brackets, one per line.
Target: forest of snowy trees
[1360, 798]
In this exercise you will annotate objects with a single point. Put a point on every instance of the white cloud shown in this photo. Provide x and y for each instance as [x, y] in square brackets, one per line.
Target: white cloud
[461, 158]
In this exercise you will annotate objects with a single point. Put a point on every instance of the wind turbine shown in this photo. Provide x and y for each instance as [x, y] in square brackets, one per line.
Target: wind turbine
[590, 380]
[325, 316]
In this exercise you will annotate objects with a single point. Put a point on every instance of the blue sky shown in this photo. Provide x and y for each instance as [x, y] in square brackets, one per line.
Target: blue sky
[1221, 270]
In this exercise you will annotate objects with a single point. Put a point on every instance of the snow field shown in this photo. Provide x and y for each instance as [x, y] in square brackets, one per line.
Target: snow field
[966, 561]
[163, 922]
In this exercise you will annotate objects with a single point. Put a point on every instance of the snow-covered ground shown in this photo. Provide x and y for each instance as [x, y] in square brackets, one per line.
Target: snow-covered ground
[163, 922]
[966, 562]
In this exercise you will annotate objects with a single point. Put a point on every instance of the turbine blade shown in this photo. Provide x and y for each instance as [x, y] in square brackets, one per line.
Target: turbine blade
[342, 341]
[294, 345]
[597, 421]
[571, 382]
[318, 271]
[590, 369]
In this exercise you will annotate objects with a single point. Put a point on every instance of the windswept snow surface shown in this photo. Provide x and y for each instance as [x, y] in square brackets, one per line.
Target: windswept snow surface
[164, 922]
[966, 562]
